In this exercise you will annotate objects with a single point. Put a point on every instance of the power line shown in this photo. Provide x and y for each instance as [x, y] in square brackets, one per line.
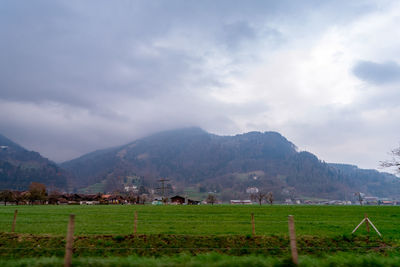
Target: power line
[162, 181]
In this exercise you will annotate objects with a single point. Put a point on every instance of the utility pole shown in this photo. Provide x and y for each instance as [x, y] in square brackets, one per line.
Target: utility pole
[162, 181]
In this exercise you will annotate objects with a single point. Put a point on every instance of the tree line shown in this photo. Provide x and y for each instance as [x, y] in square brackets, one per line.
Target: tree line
[37, 194]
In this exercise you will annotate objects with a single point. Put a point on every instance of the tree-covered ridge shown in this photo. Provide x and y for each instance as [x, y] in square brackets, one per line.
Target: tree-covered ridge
[227, 165]
[19, 167]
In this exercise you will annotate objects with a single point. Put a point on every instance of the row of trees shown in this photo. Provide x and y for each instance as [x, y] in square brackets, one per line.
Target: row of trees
[36, 192]
[260, 196]
[41, 197]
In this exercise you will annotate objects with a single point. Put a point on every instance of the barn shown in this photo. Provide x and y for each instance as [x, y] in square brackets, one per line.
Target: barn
[177, 200]
[193, 202]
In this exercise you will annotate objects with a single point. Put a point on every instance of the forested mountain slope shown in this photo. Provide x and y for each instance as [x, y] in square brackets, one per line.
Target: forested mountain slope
[227, 165]
[19, 167]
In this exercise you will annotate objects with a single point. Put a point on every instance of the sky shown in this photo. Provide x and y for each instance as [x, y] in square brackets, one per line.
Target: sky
[82, 75]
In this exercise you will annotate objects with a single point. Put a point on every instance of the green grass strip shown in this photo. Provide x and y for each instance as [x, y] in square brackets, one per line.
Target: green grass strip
[213, 260]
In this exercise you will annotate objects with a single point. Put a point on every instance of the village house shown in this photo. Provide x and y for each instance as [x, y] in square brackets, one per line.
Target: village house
[241, 202]
[177, 200]
[288, 201]
[90, 199]
[157, 201]
[132, 188]
[62, 201]
[252, 190]
[193, 202]
[387, 202]
[112, 199]
[370, 200]
[89, 202]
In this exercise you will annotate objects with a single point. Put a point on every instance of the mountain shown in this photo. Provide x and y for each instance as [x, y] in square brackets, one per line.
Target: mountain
[372, 181]
[19, 167]
[197, 162]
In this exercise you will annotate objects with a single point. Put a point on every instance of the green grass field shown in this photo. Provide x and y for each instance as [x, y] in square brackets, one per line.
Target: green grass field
[200, 220]
[213, 260]
[174, 234]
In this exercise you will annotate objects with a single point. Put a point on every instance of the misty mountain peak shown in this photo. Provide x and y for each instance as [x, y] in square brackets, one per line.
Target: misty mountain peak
[5, 142]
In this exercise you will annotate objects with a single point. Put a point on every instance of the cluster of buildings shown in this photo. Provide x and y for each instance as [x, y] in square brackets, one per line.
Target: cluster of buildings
[176, 200]
[379, 201]
[23, 198]
[365, 201]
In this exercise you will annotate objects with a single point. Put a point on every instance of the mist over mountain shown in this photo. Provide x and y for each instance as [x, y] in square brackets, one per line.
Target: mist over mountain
[19, 167]
[197, 162]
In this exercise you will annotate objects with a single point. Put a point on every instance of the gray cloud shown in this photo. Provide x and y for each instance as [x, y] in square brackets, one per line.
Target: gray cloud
[237, 32]
[82, 75]
[69, 51]
[377, 73]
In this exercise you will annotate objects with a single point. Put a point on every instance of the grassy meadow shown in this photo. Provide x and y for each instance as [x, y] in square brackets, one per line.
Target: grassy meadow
[322, 221]
[219, 235]
[213, 260]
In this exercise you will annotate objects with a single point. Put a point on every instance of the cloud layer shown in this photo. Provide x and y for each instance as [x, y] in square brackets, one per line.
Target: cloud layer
[84, 75]
[387, 72]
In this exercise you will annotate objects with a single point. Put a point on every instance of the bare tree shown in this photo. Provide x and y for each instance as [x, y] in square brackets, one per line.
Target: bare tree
[53, 197]
[270, 198]
[18, 197]
[259, 197]
[132, 197]
[211, 199]
[37, 191]
[394, 162]
[143, 199]
[6, 196]
[359, 197]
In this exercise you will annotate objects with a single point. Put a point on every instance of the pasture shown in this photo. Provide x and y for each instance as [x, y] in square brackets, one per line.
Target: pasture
[174, 234]
[321, 221]
[214, 260]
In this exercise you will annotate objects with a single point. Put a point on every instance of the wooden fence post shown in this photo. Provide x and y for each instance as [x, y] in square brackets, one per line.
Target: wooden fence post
[70, 241]
[292, 235]
[366, 222]
[135, 224]
[14, 221]
[252, 224]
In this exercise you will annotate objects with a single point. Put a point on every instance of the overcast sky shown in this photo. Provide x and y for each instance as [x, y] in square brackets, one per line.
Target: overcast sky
[80, 75]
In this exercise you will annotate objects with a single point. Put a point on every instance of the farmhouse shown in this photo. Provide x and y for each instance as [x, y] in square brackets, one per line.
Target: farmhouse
[371, 200]
[252, 190]
[157, 201]
[112, 199]
[89, 202]
[242, 202]
[193, 202]
[288, 201]
[387, 202]
[178, 200]
[62, 201]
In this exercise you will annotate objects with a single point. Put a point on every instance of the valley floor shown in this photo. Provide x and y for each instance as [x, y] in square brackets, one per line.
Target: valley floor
[219, 235]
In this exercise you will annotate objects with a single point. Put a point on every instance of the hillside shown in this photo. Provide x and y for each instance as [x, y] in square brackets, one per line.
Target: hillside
[372, 181]
[19, 167]
[197, 162]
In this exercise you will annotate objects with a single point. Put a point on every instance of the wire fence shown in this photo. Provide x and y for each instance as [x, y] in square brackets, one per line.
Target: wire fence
[111, 223]
[138, 228]
[255, 227]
